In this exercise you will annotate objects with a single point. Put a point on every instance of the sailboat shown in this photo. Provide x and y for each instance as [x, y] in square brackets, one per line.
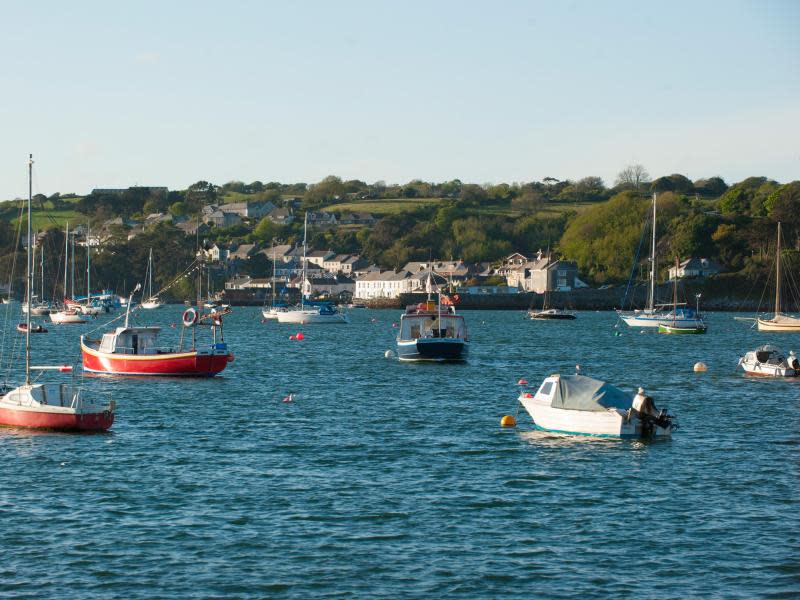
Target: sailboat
[672, 326]
[90, 308]
[654, 313]
[273, 310]
[69, 314]
[549, 314]
[152, 301]
[39, 308]
[324, 314]
[779, 322]
[49, 406]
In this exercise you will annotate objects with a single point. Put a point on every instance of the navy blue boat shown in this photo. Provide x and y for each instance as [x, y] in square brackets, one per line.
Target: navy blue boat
[432, 332]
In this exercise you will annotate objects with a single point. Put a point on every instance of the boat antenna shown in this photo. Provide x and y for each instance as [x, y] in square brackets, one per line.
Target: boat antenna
[130, 301]
[29, 279]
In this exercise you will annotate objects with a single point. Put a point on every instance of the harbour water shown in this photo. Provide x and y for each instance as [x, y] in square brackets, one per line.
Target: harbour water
[386, 480]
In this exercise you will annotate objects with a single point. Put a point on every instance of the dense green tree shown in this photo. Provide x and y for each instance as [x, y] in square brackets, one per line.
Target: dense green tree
[603, 239]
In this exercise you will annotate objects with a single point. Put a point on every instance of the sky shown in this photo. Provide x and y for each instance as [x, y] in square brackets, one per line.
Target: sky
[108, 94]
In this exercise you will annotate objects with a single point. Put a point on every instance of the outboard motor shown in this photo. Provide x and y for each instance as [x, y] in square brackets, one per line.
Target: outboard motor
[649, 416]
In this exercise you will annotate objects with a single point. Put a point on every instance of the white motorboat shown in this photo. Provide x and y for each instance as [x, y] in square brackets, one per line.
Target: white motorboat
[580, 405]
[66, 317]
[769, 361]
[272, 312]
[315, 315]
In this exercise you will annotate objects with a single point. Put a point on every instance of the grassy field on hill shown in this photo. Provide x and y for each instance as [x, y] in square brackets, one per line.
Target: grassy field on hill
[55, 218]
[390, 206]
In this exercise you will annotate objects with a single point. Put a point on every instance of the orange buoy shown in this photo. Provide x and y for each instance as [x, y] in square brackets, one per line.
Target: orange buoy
[508, 421]
[522, 382]
[527, 395]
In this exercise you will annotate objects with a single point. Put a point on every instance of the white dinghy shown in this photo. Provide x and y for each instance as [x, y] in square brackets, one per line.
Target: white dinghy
[769, 361]
[580, 405]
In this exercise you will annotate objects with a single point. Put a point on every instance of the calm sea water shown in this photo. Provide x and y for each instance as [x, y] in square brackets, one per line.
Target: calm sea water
[386, 480]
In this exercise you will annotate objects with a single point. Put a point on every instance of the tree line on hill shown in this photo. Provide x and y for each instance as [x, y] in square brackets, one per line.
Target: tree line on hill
[599, 227]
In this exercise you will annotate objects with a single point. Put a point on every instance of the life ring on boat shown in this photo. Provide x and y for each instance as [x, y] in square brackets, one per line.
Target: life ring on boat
[455, 298]
[189, 317]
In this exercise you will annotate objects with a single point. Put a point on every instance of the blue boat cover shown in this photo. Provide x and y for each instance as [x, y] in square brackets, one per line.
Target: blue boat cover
[578, 392]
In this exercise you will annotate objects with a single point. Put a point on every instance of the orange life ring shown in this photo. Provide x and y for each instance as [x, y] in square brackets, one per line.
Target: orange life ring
[189, 317]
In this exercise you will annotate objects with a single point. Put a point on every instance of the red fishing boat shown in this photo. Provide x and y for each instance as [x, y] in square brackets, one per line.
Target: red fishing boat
[131, 350]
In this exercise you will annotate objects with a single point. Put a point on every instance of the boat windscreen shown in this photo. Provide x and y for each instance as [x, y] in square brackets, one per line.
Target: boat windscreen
[578, 392]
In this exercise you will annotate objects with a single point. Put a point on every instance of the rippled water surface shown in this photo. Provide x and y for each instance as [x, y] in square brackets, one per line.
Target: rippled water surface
[393, 480]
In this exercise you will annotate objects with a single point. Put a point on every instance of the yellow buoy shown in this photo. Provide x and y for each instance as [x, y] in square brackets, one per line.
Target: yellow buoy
[700, 367]
[508, 421]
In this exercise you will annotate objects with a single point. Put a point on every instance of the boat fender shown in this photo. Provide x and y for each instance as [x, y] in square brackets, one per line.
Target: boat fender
[189, 317]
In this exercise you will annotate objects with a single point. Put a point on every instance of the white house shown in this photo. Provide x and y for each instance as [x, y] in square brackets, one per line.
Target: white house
[543, 274]
[695, 267]
[384, 284]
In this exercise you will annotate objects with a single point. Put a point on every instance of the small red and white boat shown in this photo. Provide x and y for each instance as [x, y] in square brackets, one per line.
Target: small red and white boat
[131, 350]
[57, 407]
[49, 406]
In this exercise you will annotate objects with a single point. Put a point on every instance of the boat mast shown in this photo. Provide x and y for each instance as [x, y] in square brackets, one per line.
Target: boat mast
[88, 267]
[33, 267]
[778, 274]
[66, 261]
[150, 275]
[273, 274]
[29, 278]
[652, 299]
[72, 273]
[675, 294]
[303, 276]
[41, 258]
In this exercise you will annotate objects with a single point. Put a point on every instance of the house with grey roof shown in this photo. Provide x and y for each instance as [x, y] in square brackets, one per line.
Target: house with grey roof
[248, 210]
[318, 257]
[219, 218]
[281, 216]
[543, 274]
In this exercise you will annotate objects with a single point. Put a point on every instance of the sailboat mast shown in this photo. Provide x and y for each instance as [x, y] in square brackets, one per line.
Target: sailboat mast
[675, 293]
[41, 258]
[273, 274]
[778, 274]
[66, 259]
[652, 298]
[88, 268]
[72, 272]
[303, 276]
[29, 278]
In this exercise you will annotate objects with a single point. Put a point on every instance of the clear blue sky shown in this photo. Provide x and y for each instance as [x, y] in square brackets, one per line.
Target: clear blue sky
[107, 94]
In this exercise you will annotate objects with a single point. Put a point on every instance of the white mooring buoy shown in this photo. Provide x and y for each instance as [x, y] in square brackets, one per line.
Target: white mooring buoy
[700, 367]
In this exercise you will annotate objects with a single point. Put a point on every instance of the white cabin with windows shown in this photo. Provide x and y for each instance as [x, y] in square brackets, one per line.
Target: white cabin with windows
[132, 340]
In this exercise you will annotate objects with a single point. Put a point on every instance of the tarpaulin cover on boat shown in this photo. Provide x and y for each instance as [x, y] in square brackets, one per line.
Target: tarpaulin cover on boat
[578, 392]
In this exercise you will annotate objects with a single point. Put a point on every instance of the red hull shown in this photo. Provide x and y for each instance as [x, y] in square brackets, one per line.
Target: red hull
[56, 421]
[184, 364]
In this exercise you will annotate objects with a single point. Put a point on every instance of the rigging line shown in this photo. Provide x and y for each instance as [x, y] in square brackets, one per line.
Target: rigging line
[137, 309]
[10, 290]
[633, 268]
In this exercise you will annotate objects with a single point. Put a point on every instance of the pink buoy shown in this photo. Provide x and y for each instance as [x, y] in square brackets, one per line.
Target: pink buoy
[522, 382]
[394, 325]
[292, 337]
[300, 337]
